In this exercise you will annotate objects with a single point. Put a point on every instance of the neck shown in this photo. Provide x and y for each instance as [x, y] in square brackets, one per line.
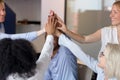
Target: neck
[118, 28]
[117, 25]
[106, 78]
[54, 51]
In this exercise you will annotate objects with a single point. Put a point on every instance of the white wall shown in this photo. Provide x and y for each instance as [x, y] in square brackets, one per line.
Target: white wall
[47, 5]
[31, 10]
[35, 10]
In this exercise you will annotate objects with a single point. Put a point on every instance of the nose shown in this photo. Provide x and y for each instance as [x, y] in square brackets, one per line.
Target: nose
[2, 12]
[111, 15]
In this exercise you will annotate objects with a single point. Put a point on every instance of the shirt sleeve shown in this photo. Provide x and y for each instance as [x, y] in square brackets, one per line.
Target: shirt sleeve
[47, 49]
[30, 36]
[45, 56]
[77, 51]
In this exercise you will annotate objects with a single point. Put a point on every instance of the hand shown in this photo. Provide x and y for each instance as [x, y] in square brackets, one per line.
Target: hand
[51, 13]
[62, 26]
[58, 32]
[51, 25]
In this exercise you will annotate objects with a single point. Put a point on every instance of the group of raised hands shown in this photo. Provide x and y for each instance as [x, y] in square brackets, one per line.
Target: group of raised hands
[55, 24]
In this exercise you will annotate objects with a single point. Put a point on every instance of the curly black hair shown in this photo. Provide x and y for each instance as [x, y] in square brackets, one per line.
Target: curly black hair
[16, 56]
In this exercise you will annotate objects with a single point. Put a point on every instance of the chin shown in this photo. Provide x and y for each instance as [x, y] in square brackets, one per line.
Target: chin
[2, 21]
[115, 24]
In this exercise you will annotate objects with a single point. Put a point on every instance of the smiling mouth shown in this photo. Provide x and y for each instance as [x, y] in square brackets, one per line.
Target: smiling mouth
[112, 19]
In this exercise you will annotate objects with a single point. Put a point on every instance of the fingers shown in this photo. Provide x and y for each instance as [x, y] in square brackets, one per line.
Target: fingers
[51, 13]
[51, 25]
[57, 32]
[54, 22]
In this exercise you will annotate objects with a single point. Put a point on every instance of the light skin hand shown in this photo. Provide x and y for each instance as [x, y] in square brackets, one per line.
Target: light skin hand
[58, 32]
[60, 24]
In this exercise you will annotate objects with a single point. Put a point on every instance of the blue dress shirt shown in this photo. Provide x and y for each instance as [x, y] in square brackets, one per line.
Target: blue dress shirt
[63, 66]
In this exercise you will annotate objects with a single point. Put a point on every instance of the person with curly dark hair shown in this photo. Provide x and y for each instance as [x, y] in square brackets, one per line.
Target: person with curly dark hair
[16, 56]
[18, 60]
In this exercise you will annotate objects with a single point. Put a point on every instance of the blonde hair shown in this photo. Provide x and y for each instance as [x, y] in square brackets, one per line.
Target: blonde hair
[112, 60]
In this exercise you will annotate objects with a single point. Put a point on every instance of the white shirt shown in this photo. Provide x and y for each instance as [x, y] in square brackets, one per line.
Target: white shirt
[42, 62]
[108, 35]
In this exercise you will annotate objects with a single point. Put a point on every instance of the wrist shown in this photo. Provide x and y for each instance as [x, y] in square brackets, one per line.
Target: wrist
[40, 32]
[66, 30]
[50, 33]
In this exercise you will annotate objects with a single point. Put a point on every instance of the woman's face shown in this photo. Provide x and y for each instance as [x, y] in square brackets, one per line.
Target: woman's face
[115, 15]
[102, 61]
[2, 12]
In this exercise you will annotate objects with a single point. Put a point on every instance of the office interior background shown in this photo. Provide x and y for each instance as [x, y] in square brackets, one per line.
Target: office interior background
[81, 16]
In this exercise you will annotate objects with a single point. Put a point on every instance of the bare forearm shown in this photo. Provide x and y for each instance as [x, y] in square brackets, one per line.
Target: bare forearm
[84, 39]
[77, 37]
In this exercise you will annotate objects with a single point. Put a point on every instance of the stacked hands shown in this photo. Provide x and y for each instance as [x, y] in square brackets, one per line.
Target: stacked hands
[55, 24]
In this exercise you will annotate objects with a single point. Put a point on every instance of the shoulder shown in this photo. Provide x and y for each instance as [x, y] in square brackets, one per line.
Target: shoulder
[107, 28]
[64, 50]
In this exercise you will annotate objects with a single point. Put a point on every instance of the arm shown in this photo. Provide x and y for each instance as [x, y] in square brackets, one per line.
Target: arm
[46, 51]
[82, 39]
[68, 64]
[28, 36]
[76, 50]
[45, 56]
